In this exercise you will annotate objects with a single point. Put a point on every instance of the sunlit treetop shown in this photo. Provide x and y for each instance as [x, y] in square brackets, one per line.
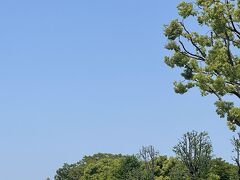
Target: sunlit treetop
[209, 58]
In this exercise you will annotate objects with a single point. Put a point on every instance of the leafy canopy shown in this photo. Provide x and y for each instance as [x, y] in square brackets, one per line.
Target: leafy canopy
[208, 58]
[193, 161]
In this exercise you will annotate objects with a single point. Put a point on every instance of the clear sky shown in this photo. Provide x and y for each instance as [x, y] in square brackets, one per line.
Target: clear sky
[79, 77]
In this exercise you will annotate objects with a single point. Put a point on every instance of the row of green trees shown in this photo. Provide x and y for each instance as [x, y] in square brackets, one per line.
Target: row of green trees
[193, 160]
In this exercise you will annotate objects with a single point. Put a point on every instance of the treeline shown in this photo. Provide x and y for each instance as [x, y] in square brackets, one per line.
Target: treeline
[193, 161]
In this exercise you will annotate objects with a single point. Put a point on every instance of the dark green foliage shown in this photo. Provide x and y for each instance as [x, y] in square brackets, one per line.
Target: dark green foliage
[178, 171]
[70, 172]
[130, 168]
[224, 170]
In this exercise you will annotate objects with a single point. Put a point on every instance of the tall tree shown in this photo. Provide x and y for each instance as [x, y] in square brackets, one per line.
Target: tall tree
[236, 150]
[194, 151]
[208, 57]
[148, 154]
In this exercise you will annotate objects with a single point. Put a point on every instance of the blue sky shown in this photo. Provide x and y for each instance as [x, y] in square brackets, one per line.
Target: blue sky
[81, 77]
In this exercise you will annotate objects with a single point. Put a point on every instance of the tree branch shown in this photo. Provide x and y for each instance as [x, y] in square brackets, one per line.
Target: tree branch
[193, 43]
[194, 55]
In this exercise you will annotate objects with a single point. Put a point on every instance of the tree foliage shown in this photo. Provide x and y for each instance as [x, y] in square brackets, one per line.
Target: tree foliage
[97, 167]
[223, 169]
[193, 161]
[130, 168]
[194, 151]
[208, 57]
[133, 168]
[148, 154]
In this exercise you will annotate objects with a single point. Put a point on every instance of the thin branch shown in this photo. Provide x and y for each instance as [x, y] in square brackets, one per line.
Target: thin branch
[194, 55]
[193, 43]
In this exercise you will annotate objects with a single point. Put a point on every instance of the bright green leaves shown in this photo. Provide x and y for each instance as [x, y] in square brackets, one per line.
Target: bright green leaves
[203, 82]
[178, 59]
[202, 40]
[223, 108]
[237, 71]
[173, 30]
[205, 3]
[182, 88]
[227, 109]
[219, 85]
[217, 55]
[236, 16]
[186, 9]
[234, 116]
[218, 20]
[209, 60]
[172, 45]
